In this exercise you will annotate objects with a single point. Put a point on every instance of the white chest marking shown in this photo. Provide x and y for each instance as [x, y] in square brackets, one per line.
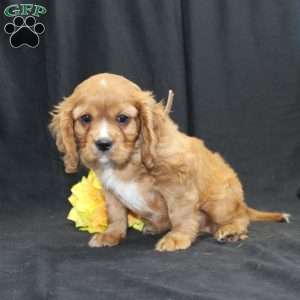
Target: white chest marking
[127, 192]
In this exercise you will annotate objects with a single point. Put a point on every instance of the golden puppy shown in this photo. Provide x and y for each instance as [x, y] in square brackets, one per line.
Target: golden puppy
[172, 181]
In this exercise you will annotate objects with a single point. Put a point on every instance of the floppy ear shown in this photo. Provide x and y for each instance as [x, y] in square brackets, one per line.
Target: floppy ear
[146, 106]
[62, 129]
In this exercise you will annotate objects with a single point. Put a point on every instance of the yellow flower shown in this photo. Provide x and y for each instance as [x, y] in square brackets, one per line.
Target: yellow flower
[89, 210]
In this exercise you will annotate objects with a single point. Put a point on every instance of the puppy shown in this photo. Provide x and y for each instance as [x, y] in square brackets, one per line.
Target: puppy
[146, 165]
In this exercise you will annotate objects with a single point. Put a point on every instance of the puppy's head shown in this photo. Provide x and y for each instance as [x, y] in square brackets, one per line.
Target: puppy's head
[105, 120]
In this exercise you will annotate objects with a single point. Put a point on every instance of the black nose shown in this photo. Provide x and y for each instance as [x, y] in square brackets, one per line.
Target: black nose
[104, 144]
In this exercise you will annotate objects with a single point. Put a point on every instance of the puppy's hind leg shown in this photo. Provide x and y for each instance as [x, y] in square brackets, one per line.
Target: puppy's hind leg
[233, 231]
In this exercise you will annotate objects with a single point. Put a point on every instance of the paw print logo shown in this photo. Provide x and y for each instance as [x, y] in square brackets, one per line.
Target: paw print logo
[24, 32]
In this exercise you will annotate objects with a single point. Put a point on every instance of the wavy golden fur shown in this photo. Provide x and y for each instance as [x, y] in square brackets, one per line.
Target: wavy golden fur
[172, 181]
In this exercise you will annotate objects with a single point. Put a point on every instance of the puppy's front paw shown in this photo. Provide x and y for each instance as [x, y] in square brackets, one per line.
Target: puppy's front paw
[104, 240]
[173, 241]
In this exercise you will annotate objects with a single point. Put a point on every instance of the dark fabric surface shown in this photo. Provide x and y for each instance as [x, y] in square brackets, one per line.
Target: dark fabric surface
[234, 66]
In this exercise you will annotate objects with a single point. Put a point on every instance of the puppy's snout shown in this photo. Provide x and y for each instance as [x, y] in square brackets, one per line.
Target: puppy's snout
[104, 144]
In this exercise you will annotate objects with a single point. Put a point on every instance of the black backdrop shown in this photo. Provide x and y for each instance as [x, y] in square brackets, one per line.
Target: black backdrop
[234, 66]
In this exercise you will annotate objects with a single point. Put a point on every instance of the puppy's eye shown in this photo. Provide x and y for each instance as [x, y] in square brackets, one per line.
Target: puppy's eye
[122, 119]
[86, 119]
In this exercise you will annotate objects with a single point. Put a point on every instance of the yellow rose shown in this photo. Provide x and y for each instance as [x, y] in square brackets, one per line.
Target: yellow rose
[89, 210]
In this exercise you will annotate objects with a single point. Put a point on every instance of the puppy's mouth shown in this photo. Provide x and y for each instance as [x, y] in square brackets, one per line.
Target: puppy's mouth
[117, 156]
[103, 157]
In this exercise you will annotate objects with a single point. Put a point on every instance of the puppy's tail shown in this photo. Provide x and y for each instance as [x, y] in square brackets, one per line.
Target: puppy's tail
[256, 215]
